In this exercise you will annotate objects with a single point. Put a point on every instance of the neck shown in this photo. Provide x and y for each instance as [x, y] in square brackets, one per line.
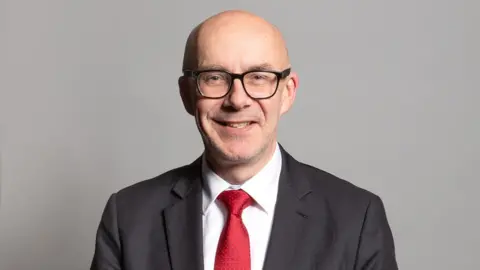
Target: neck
[238, 172]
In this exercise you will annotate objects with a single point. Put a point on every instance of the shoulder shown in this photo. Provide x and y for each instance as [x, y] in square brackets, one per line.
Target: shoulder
[347, 203]
[335, 187]
[153, 192]
[343, 198]
[324, 183]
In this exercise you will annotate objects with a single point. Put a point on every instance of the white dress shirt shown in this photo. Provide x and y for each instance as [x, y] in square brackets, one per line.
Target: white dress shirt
[263, 188]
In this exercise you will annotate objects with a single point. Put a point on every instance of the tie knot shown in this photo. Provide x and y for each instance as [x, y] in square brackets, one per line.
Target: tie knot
[235, 201]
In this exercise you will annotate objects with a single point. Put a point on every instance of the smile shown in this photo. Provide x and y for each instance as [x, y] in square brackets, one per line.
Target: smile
[235, 124]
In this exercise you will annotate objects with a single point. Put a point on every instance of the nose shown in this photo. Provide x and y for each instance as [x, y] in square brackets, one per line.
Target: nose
[238, 98]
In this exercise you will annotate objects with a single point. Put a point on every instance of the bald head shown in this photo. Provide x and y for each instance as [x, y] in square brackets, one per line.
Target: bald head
[234, 32]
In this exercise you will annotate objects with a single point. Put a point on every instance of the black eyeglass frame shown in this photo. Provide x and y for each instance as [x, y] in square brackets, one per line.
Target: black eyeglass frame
[279, 74]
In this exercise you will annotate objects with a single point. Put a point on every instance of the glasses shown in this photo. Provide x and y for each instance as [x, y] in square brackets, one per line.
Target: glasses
[258, 84]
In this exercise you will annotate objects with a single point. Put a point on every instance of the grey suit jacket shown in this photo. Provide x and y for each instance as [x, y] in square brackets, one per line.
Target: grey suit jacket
[320, 222]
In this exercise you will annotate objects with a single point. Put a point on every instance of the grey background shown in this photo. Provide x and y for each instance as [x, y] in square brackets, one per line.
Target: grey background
[388, 100]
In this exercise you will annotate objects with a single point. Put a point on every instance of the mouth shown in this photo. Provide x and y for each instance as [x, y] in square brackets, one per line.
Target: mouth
[237, 125]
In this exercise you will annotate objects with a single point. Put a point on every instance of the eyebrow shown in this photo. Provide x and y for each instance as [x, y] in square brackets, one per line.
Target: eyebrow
[264, 66]
[261, 67]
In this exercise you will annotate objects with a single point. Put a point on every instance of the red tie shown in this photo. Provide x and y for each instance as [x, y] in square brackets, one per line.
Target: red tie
[233, 251]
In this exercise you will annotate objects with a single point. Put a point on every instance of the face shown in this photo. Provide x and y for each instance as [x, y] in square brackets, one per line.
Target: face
[237, 128]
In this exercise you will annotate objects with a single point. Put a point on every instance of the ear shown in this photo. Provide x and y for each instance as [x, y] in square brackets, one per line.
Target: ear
[289, 93]
[186, 94]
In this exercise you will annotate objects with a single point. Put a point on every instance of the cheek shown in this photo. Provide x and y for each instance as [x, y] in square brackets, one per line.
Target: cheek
[204, 109]
[271, 112]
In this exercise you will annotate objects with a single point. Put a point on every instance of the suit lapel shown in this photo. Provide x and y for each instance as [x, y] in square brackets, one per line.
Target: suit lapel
[299, 228]
[301, 231]
[183, 222]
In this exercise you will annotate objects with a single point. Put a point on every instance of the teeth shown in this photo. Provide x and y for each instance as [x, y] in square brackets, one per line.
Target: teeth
[238, 125]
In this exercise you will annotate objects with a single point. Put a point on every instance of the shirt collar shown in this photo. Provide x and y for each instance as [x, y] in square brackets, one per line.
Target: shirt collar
[262, 187]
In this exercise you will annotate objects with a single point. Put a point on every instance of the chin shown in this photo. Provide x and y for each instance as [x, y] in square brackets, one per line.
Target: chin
[235, 146]
[241, 151]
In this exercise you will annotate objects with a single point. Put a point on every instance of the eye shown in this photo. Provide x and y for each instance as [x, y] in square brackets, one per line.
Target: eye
[213, 77]
[258, 76]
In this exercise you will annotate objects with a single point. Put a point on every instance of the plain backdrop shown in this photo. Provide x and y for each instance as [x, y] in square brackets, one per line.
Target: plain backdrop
[388, 100]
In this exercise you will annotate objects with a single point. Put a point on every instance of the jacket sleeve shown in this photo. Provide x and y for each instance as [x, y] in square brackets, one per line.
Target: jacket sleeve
[107, 253]
[376, 249]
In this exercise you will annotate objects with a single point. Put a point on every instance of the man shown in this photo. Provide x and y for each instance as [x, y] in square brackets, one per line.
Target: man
[245, 203]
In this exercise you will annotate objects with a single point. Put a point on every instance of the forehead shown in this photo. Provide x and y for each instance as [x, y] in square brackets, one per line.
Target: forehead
[238, 47]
